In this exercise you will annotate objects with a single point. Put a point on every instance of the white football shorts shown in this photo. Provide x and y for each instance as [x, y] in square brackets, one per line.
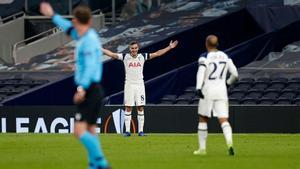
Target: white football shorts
[134, 94]
[219, 108]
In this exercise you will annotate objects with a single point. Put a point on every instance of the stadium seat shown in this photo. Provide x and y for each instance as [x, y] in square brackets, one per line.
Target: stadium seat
[277, 85]
[284, 101]
[13, 82]
[195, 101]
[260, 85]
[291, 48]
[249, 101]
[270, 95]
[248, 80]
[182, 101]
[27, 82]
[243, 85]
[7, 89]
[17, 90]
[185, 98]
[244, 90]
[24, 87]
[254, 94]
[168, 99]
[190, 89]
[234, 101]
[297, 101]
[293, 85]
[166, 102]
[2, 97]
[256, 90]
[266, 101]
[280, 79]
[40, 82]
[237, 95]
[263, 80]
[288, 94]
[295, 79]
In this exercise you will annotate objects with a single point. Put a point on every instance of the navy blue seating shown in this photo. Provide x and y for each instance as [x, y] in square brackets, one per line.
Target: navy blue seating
[234, 101]
[248, 80]
[166, 102]
[237, 95]
[288, 94]
[284, 101]
[295, 79]
[168, 99]
[250, 91]
[249, 101]
[266, 101]
[244, 90]
[280, 79]
[183, 101]
[277, 85]
[190, 89]
[271, 95]
[13, 86]
[185, 98]
[254, 94]
[297, 101]
[40, 82]
[293, 85]
[195, 100]
[263, 80]
[243, 85]
[260, 85]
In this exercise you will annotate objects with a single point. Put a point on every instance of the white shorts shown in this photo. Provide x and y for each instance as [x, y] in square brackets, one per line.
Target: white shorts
[134, 94]
[219, 108]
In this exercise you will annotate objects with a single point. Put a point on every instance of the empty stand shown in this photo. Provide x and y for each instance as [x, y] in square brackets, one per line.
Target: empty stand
[250, 91]
[14, 86]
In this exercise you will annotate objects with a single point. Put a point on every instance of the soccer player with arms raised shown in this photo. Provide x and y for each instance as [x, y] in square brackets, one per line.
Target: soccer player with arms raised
[212, 91]
[134, 89]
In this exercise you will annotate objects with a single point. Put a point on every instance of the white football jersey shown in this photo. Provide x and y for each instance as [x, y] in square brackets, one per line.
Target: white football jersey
[134, 67]
[212, 73]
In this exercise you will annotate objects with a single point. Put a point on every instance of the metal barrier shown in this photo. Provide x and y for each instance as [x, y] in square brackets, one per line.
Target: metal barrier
[44, 42]
[17, 45]
[11, 17]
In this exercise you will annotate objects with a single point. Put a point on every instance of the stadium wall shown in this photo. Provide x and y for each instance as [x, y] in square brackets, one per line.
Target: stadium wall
[159, 119]
[11, 33]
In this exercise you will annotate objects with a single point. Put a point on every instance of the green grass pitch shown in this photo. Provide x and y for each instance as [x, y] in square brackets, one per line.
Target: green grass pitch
[156, 151]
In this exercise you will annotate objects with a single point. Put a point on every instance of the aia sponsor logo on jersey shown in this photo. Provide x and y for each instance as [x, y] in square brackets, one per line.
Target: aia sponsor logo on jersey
[135, 64]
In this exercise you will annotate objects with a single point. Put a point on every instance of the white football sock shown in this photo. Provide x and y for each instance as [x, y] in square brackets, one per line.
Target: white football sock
[227, 131]
[127, 121]
[141, 120]
[202, 135]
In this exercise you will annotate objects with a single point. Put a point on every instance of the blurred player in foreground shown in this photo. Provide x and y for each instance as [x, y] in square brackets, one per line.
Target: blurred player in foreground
[212, 91]
[88, 74]
[134, 89]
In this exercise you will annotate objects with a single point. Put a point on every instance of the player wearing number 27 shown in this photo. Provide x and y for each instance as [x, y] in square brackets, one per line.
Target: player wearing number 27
[212, 91]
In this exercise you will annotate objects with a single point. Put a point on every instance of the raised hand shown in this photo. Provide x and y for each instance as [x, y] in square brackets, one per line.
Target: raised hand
[46, 9]
[173, 44]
